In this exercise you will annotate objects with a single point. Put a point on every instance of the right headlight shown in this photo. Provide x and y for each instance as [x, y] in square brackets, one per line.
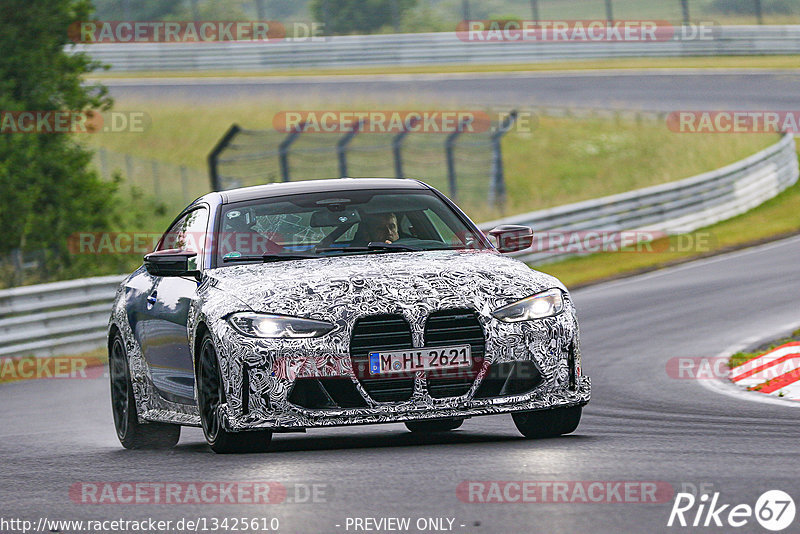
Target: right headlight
[545, 304]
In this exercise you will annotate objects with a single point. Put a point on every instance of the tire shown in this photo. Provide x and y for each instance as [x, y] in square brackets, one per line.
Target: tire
[131, 433]
[438, 425]
[210, 395]
[548, 423]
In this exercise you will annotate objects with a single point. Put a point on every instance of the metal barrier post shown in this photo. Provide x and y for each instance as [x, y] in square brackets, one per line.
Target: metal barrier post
[685, 9]
[609, 11]
[397, 148]
[497, 187]
[283, 151]
[223, 143]
[449, 145]
[341, 147]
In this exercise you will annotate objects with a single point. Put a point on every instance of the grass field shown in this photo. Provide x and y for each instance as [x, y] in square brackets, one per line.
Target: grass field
[775, 217]
[556, 161]
[670, 10]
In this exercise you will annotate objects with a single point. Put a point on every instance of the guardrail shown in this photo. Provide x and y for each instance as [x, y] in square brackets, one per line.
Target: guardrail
[671, 208]
[69, 317]
[58, 318]
[428, 49]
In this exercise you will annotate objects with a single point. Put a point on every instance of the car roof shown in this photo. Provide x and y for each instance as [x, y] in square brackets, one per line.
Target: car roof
[317, 186]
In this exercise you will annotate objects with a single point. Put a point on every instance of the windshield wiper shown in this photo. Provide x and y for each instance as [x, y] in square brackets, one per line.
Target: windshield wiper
[375, 246]
[267, 258]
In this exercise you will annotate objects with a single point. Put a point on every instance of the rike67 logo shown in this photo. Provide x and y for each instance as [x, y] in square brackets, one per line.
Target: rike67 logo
[774, 510]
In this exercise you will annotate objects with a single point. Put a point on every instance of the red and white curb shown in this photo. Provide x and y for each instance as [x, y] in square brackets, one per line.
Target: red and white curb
[775, 373]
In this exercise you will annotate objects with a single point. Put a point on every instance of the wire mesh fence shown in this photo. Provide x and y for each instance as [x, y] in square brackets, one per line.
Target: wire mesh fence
[462, 164]
[174, 185]
[673, 11]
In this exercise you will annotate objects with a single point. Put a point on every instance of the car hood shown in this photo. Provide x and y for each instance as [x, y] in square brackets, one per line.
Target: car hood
[381, 283]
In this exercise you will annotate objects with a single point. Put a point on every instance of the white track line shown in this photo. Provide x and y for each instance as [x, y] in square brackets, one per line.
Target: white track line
[724, 386]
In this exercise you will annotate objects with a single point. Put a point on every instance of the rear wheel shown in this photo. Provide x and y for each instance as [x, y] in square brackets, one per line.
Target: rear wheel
[131, 433]
[548, 423]
[439, 425]
[210, 395]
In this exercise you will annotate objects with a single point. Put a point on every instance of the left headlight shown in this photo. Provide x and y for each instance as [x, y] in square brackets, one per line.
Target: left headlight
[545, 304]
[278, 326]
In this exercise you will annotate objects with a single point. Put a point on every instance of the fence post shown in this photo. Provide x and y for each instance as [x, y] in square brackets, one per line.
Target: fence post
[535, 10]
[497, 187]
[397, 147]
[213, 168]
[609, 11]
[685, 9]
[759, 14]
[283, 150]
[260, 11]
[19, 266]
[341, 147]
[449, 145]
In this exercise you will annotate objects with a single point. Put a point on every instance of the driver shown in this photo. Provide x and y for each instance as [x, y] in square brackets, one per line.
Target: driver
[383, 228]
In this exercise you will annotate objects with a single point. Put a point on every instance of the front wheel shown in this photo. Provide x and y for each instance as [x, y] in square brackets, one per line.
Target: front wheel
[210, 395]
[548, 423]
[131, 433]
[439, 425]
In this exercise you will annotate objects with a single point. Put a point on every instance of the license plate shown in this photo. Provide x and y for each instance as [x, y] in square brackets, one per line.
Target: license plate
[426, 359]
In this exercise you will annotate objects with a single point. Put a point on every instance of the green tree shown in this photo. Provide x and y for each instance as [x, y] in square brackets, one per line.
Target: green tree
[47, 190]
[342, 17]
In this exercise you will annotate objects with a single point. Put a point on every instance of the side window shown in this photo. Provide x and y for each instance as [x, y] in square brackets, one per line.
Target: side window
[188, 233]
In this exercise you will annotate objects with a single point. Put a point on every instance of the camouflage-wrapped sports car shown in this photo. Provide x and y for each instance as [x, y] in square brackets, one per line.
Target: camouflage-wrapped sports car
[283, 307]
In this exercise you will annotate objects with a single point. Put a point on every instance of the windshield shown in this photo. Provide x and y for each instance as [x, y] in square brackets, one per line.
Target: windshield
[339, 223]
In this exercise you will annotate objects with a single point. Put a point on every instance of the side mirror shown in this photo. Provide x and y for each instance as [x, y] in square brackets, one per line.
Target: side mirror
[172, 262]
[512, 238]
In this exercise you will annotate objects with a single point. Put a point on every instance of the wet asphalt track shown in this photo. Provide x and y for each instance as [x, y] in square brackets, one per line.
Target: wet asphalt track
[641, 425]
[667, 90]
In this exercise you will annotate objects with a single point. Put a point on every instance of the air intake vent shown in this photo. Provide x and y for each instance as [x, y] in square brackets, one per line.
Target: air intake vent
[454, 327]
[381, 333]
[326, 393]
[509, 378]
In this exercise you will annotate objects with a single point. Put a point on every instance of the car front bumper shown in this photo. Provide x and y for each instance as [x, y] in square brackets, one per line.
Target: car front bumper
[291, 417]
